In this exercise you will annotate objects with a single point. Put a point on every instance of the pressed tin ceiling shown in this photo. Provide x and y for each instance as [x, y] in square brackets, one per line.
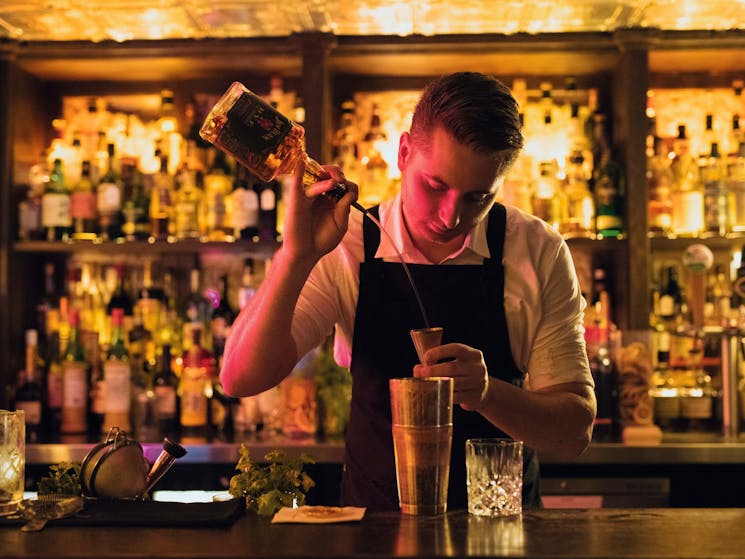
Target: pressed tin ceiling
[125, 20]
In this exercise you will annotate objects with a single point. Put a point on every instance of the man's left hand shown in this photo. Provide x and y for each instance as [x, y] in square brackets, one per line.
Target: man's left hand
[465, 365]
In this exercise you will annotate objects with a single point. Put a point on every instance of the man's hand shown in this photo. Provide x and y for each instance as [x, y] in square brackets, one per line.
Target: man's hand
[316, 224]
[465, 365]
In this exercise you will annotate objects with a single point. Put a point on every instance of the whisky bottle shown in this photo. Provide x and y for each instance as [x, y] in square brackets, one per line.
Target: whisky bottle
[56, 218]
[579, 215]
[687, 193]
[74, 380]
[187, 203]
[659, 188]
[374, 181]
[161, 203]
[195, 388]
[716, 202]
[117, 375]
[217, 207]
[83, 206]
[260, 138]
[109, 192]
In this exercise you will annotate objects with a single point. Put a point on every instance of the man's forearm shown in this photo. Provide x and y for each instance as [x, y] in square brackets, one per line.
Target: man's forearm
[260, 351]
[556, 421]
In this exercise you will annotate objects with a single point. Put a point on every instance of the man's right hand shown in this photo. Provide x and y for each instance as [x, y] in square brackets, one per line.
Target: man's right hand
[315, 224]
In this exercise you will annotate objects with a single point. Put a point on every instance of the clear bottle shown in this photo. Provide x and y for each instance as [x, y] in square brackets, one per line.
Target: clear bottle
[659, 189]
[29, 209]
[83, 206]
[687, 194]
[117, 374]
[716, 198]
[74, 380]
[165, 390]
[109, 191]
[259, 137]
[56, 217]
[346, 151]
[161, 203]
[579, 216]
[374, 180]
[187, 205]
[544, 192]
[736, 189]
[218, 207]
[29, 394]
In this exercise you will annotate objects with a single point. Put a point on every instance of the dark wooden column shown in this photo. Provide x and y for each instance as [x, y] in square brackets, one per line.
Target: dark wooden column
[316, 91]
[630, 84]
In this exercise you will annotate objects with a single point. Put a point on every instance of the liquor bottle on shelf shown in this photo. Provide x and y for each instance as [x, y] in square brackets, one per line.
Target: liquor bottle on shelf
[579, 212]
[161, 203]
[259, 137]
[195, 387]
[607, 184]
[117, 374]
[374, 181]
[546, 193]
[716, 197]
[109, 191]
[222, 318]
[48, 301]
[83, 207]
[245, 203]
[247, 289]
[29, 209]
[346, 151]
[136, 205]
[187, 203]
[197, 309]
[217, 207]
[671, 297]
[29, 394]
[121, 298]
[74, 380]
[736, 188]
[687, 194]
[604, 374]
[659, 189]
[56, 218]
[269, 194]
[53, 358]
[151, 299]
[97, 406]
[165, 390]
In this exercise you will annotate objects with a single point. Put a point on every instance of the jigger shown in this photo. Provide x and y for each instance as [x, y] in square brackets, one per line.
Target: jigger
[424, 339]
[171, 451]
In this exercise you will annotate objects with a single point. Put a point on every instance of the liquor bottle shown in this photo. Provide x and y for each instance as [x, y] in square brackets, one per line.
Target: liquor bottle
[97, 407]
[53, 358]
[74, 380]
[109, 192]
[187, 203]
[578, 219]
[121, 297]
[29, 209]
[83, 207]
[687, 194]
[56, 218]
[545, 192]
[195, 388]
[136, 206]
[659, 189]
[671, 297]
[269, 194]
[245, 203]
[217, 207]
[165, 390]
[607, 184]
[247, 289]
[197, 309]
[738, 284]
[48, 301]
[716, 199]
[259, 137]
[222, 318]
[346, 151]
[29, 394]
[117, 374]
[161, 203]
[604, 374]
[736, 188]
[601, 300]
[151, 300]
[374, 181]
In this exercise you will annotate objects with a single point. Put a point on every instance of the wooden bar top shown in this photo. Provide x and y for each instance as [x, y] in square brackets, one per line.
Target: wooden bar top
[600, 533]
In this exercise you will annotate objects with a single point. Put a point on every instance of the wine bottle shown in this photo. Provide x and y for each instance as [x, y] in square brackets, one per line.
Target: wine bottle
[74, 380]
[222, 318]
[83, 206]
[109, 192]
[136, 206]
[165, 389]
[29, 393]
[56, 217]
[117, 374]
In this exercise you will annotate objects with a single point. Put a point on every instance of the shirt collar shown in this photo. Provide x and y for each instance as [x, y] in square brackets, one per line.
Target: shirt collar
[392, 220]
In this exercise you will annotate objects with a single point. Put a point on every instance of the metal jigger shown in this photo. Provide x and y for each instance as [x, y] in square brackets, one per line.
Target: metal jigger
[171, 451]
[424, 339]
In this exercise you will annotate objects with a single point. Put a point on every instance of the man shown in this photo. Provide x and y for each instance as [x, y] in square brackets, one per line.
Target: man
[500, 283]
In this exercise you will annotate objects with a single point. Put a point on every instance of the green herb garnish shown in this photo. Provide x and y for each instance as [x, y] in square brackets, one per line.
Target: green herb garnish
[63, 479]
[280, 483]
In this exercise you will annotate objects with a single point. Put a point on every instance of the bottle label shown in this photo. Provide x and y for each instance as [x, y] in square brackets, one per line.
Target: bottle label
[667, 305]
[83, 205]
[55, 210]
[32, 410]
[117, 386]
[54, 389]
[165, 401]
[109, 198]
[194, 402]
[74, 385]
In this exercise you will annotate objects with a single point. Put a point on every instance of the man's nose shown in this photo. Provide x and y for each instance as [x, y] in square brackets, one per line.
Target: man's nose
[450, 211]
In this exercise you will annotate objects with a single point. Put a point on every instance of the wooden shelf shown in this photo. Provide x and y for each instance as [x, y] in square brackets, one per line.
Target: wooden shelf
[257, 248]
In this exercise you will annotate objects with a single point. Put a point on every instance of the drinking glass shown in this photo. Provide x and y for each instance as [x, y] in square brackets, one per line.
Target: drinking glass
[12, 459]
[494, 477]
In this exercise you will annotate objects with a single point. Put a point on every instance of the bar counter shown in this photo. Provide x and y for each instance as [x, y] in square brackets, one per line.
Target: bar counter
[604, 533]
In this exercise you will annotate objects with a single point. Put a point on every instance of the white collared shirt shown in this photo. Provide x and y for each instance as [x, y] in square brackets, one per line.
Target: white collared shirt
[542, 299]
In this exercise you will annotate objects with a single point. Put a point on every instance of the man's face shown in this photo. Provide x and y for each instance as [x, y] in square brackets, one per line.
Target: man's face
[446, 189]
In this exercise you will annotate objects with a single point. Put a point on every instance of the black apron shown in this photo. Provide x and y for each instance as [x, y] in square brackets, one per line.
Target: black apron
[467, 301]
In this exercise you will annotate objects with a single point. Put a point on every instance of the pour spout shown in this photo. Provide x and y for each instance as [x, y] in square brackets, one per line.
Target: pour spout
[171, 451]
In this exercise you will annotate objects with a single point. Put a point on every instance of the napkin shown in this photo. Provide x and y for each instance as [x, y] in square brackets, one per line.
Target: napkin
[318, 515]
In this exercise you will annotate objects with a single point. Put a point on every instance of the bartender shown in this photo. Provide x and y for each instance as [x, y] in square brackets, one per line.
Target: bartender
[500, 282]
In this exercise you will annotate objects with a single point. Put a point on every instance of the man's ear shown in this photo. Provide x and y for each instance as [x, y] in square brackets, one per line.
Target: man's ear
[404, 150]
